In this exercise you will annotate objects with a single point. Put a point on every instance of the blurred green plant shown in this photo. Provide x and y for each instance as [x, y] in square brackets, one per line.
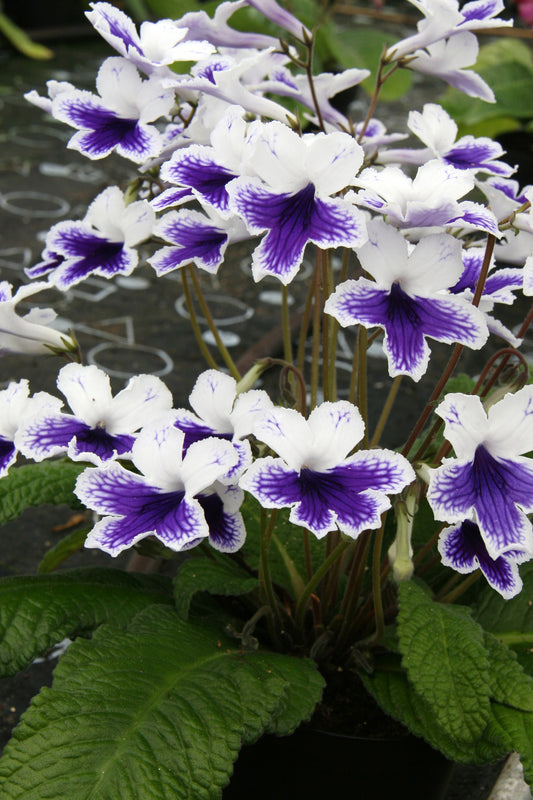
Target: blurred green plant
[507, 66]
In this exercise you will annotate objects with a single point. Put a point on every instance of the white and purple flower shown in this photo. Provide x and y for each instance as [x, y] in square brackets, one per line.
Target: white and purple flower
[155, 47]
[200, 25]
[489, 475]
[499, 287]
[195, 237]
[118, 118]
[430, 199]
[15, 405]
[443, 19]
[325, 488]
[447, 60]
[203, 172]
[409, 297]
[101, 426]
[290, 199]
[462, 547]
[163, 499]
[223, 413]
[438, 131]
[325, 86]
[103, 243]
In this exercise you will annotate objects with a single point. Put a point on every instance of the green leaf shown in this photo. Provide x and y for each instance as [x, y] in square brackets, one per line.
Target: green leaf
[361, 47]
[60, 552]
[155, 712]
[201, 574]
[395, 694]
[446, 661]
[35, 484]
[36, 612]
[518, 725]
[509, 683]
[511, 621]
[22, 41]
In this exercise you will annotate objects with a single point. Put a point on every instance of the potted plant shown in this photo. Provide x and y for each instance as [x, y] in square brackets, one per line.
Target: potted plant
[322, 579]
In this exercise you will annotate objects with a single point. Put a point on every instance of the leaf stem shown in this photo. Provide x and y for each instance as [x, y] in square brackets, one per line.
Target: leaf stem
[194, 322]
[223, 350]
[315, 580]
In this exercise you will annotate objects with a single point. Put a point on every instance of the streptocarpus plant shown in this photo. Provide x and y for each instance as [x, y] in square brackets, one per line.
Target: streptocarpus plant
[304, 547]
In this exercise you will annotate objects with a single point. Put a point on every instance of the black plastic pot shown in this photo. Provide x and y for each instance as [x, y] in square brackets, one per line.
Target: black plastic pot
[316, 765]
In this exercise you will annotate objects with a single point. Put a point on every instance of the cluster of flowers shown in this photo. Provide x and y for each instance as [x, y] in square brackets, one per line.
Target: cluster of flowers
[421, 247]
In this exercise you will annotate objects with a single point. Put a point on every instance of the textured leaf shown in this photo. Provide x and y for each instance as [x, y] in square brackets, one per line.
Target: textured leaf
[35, 484]
[200, 574]
[396, 695]
[446, 661]
[155, 712]
[70, 544]
[518, 725]
[509, 618]
[509, 683]
[36, 612]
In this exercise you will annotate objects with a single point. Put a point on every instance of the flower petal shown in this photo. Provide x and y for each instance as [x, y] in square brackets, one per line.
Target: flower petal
[462, 548]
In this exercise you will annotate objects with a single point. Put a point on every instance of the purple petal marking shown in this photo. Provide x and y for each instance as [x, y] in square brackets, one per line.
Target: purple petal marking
[226, 531]
[473, 154]
[500, 283]
[114, 20]
[319, 499]
[181, 523]
[8, 454]
[472, 262]
[49, 435]
[462, 548]
[147, 511]
[102, 129]
[479, 10]
[379, 470]
[169, 197]
[335, 495]
[204, 244]
[406, 320]
[113, 490]
[49, 263]
[293, 220]
[201, 173]
[503, 282]
[359, 301]
[195, 432]
[478, 216]
[449, 322]
[131, 139]
[210, 69]
[498, 490]
[101, 443]
[273, 483]
[87, 252]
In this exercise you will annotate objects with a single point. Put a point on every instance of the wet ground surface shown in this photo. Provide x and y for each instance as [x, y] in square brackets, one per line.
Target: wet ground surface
[129, 325]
